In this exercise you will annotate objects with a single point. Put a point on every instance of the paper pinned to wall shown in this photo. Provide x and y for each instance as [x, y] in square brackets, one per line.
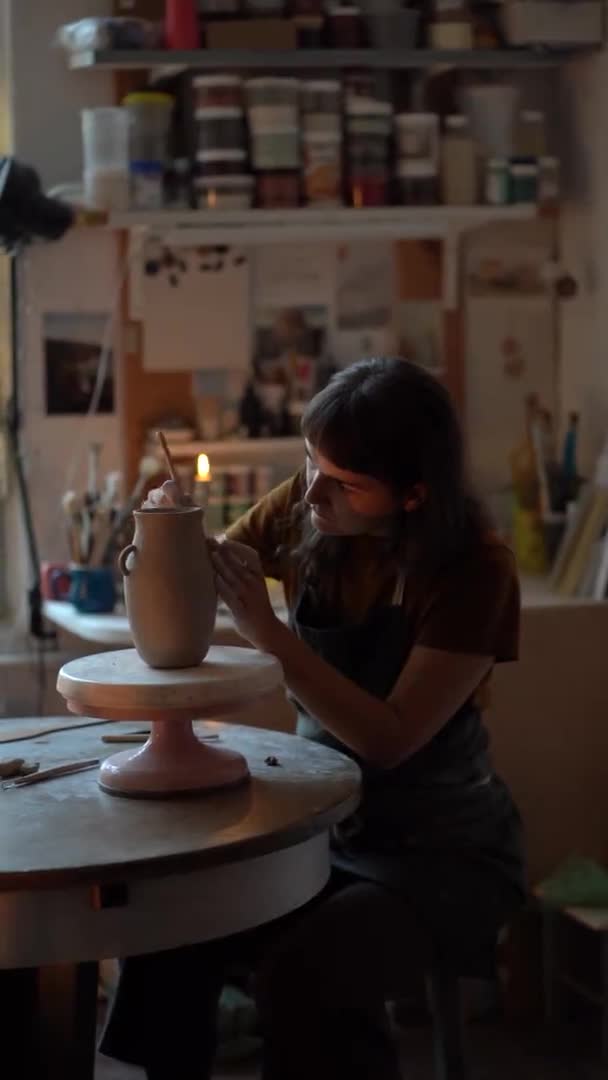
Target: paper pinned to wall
[196, 311]
[510, 351]
[365, 286]
[302, 275]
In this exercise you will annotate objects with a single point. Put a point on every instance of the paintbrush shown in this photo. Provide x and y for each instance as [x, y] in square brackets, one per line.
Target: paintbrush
[170, 465]
[148, 467]
[93, 473]
[72, 506]
[101, 534]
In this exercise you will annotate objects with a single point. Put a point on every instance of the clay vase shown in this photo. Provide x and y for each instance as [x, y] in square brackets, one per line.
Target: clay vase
[169, 587]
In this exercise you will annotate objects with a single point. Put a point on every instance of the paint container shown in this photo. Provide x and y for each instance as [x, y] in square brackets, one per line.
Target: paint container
[224, 192]
[218, 91]
[221, 129]
[278, 190]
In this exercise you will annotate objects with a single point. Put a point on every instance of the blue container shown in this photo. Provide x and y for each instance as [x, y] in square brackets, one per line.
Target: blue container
[92, 590]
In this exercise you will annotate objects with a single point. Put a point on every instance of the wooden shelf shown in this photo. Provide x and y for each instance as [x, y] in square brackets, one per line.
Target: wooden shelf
[306, 223]
[328, 59]
[283, 450]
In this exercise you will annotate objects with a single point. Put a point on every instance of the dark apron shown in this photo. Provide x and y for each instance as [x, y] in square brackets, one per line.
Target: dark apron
[441, 828]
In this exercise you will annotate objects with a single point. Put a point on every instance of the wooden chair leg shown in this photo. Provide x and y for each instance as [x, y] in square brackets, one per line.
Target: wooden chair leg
[604, 948]
[67, 1020]
[448, 1031]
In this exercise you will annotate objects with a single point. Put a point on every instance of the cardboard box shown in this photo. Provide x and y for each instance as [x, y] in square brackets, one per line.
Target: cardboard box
[251, 34]
[554, 23]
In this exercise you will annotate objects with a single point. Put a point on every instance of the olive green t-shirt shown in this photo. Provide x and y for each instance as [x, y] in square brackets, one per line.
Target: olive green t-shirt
[472, 606]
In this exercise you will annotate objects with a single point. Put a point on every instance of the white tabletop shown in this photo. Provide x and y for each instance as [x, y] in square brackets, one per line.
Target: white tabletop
[188, 870]
[113, 630]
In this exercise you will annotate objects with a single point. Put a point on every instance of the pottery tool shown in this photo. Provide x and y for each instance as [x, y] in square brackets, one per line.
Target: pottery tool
[170, 465]
[69, 769]
[26, 730]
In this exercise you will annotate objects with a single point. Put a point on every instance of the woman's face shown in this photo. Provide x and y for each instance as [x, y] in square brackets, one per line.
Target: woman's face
[345, 503]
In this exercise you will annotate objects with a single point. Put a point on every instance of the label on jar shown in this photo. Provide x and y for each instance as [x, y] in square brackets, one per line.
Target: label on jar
[322, 171]
[497, 185]
[147, 190]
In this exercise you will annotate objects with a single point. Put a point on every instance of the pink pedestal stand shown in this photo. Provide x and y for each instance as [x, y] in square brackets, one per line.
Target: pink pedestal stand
[174, 761]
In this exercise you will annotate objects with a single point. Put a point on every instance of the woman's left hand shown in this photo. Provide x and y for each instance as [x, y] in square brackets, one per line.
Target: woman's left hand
[242, 586]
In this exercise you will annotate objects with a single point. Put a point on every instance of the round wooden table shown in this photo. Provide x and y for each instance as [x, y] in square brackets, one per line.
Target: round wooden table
[84, 876]
[121, 686]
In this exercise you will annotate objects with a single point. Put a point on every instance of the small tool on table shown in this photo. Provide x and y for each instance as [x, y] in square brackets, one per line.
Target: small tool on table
[50, 774]
[142, 737]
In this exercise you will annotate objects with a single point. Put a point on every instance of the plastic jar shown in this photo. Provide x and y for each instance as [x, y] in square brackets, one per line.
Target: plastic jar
[369, 187]
[150, 117]
[276, 190]
[105, 134]
[262, 117]
[221, 129]
[309, 31]
[523, 182]
[418, 183]
[319, 123]
[323, 169]
[321, 96]
[393, 29]
[217, 91]
[451, 33]
[276, 148]
[224, 192]
[272, 91]
[147, 185]
[221, 162]
[368, 150]
[458, 163]
[345, 26]
[531, 134]
[367, 117]
[417, 136]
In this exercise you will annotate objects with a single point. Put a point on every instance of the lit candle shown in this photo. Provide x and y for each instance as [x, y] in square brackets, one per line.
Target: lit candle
[202, 482]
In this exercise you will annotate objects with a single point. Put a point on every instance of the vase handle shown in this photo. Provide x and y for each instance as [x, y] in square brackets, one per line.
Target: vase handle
[122, 560]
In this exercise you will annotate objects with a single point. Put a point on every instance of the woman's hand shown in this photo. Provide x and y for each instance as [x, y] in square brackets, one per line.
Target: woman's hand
[242, 586]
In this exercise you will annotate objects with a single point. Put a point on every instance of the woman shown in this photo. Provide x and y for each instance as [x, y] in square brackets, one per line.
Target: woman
[401, 602]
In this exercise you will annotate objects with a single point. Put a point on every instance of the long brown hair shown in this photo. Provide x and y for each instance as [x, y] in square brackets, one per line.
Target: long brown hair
[388, 418]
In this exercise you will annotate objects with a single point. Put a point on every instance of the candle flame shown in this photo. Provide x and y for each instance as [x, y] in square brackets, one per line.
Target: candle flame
[203, 471]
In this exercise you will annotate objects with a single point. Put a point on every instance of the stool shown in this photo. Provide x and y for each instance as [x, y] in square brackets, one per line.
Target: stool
[443, 989]
[555, 973]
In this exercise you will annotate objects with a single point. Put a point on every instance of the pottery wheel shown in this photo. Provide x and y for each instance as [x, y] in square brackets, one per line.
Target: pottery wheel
[120, 686]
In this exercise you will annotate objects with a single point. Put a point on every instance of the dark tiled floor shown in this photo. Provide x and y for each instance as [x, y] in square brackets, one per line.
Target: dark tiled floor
[496, 1053]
